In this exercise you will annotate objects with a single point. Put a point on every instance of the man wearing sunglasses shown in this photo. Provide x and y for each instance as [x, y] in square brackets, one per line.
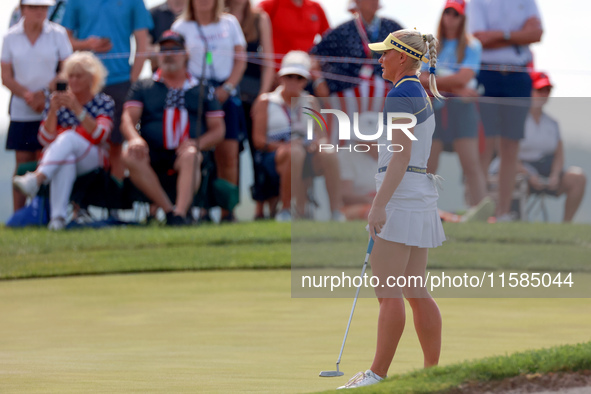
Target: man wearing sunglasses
[169, 141]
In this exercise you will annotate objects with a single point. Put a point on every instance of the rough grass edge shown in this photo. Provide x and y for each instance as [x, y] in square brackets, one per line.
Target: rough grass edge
[564, 358]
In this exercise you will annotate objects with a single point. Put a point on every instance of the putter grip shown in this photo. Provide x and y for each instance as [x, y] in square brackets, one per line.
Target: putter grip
[370, 245]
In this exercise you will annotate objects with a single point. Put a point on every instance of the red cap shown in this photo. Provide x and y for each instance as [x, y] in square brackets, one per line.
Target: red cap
[540, 80]
[458, 5]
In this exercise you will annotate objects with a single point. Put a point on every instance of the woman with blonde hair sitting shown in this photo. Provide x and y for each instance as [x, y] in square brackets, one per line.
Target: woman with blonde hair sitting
[77, 122]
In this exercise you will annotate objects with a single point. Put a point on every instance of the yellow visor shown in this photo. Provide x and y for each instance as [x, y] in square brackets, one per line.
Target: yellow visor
[392, 42]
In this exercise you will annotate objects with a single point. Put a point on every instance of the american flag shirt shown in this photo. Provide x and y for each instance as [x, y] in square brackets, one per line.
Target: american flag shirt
[349, 91]
[101, 108]
[169, 116]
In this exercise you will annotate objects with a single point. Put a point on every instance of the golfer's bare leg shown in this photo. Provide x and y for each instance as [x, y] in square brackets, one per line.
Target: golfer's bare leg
[388, 259]
[144, 178]
[426, 315]
[508, 150]
[467, 150]
[186, 165]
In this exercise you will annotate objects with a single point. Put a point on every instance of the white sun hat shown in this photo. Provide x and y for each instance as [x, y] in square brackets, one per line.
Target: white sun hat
[296, 62]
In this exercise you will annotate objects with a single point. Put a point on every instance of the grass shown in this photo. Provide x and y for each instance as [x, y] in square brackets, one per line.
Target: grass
[566, 358]
[32, 253]
[233, 326]
[234, 331]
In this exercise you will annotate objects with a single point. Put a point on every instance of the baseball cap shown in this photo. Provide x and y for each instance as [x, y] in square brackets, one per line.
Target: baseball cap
[458, 5]
[540, 80]
[172, 36]
[38, 2]
[295, 62]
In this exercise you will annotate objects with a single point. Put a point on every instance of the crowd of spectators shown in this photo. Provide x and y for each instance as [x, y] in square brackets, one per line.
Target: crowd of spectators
[259, 69]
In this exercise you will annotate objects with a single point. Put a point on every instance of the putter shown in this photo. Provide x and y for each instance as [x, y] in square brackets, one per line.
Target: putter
[332, 374]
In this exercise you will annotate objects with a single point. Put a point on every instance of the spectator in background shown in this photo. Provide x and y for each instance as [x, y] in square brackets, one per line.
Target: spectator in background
[32, 52]
[456, 120]
[279, 135]
[55, 13]
[163, 16]
[163, 146]
[505, 28]
[296, 23]
[541, 153]
[259, 75]
[350, 40]
[216, 48]
[75, 127]
[105, 27]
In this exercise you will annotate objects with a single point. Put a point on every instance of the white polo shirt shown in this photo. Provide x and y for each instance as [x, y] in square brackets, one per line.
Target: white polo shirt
[540, 139]
[221, 37]
[503, 15]
[34, 66]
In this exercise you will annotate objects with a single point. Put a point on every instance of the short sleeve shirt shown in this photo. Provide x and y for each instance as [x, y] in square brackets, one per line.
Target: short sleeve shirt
[345, 41]
[409, 96]
[116, 20]
[503, 15]
[151, 95]
[34, 66]
[221, 37]
[163, 19]
[295, 28]
[447, 58]
[540, 139]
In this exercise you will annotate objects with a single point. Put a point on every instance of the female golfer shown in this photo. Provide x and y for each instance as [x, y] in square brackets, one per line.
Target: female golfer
[403, 219]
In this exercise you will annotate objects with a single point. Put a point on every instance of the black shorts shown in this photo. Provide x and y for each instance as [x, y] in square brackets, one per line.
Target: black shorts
[118, 93]
[162, 161]
[22, 136]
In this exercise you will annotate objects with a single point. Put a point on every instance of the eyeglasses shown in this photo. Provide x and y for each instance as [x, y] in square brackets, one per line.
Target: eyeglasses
[296, 76]
[452, 12]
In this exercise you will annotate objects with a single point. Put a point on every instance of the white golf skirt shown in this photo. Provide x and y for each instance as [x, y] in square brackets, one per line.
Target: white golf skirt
[411, 214]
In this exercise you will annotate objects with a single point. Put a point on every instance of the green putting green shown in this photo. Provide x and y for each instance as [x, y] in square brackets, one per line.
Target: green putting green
[233, 331]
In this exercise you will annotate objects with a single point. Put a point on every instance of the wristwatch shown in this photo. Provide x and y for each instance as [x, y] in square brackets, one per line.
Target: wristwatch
[230, 88]
[82, 115]
[506, 35]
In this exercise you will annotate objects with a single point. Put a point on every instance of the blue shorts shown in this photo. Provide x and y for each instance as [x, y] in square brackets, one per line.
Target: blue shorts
[22, 136]
[506, 117]
[456, 120]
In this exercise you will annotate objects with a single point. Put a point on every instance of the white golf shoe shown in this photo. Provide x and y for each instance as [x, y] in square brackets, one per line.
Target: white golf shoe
[362, 379]
[27, 184]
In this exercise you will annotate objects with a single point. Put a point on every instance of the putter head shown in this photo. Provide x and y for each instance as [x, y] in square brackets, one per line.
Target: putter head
[330, 374]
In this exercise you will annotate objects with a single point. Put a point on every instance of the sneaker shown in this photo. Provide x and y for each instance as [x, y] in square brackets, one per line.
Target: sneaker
[362, 379]
[283, 216]
[481, 212]
[337, 216]
[27, 184]
[506, 218]
[175, 220]
[57, 224]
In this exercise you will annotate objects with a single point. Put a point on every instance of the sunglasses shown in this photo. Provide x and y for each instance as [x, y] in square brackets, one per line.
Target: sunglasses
[452, 12]
[295, 76]
[177, 48]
